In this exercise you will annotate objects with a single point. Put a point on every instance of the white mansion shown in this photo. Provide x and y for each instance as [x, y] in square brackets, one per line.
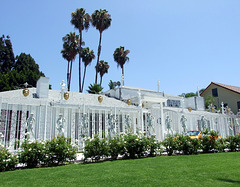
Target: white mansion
[40, 113]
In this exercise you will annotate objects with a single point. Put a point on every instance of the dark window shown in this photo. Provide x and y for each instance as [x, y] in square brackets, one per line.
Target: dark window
[215, 92]
[238, 105]
[173, 103]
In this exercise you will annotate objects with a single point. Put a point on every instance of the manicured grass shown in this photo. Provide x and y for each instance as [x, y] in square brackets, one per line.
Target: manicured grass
[219, 169]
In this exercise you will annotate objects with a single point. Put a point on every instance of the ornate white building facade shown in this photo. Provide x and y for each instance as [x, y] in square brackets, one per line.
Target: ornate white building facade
[43, 114]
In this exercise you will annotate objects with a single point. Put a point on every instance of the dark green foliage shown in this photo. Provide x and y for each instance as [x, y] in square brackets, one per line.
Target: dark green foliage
[135, 144]
[111, 85]
[221, 144]
[32, 153]
[116, 147]
[96, 148]
[6, 55]
[186, 95]
[152, 146]
[184, 144]
[7, 160]
[94, 89]
[233, 142]
[27, 70]
[59, 150]
[15, 72]
[208, 141]
[196, 145]
[170, 144]
[209, 100]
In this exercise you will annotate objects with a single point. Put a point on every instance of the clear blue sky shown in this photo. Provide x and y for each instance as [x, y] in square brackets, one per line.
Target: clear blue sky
[182, 43]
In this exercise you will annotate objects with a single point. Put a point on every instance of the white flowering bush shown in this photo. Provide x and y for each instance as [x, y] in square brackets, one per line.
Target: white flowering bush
[153, 146]
[7, 160]
[59, 150]
[183, 144]
[135, 145]
[116, 147]
[95, 148]
[32, 153]
[233, 142]
[170, 144]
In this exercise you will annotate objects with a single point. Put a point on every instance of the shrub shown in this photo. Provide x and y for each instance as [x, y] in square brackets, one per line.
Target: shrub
[135, 144]
[96, 148]
[208, 142]
[7, 160]
[170, 144]
[184, 144]
[233, 142]
[116, 147]
[196, 144]
[59, 150]
[153, 146]
[32, 153]
[221, 144]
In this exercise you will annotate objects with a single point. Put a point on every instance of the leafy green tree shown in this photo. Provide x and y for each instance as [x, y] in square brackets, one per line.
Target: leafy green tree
[101, 20]
[7, 59]
[87, 57]
[81, 21]
[69, 52]
[191, 94]
[209, 100]
[120, 56]
[94, 89]
[102, 68]
[24, 70]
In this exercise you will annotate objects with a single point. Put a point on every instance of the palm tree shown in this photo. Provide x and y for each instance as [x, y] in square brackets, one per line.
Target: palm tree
[81, 21]
[101, 20]
[87, 57]
[102, 68]
[120, 56]
[95, 89]
[69, 53]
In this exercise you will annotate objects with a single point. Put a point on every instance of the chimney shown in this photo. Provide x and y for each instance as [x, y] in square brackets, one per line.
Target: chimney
[42, 87]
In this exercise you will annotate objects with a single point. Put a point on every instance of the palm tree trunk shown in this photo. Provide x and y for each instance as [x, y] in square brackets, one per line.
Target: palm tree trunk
[99, 51]
[84, 77]
[122, 76]
[79, 69]
[100, 80]
[70, 76]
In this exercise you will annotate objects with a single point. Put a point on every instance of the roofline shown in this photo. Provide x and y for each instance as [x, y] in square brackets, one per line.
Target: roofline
[217, 84]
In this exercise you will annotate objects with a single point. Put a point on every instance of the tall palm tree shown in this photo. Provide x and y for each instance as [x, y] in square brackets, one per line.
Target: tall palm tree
[102, 68]
[101, 20]
[120, 56]
[81, 21]
[69, 53]
[87, 57]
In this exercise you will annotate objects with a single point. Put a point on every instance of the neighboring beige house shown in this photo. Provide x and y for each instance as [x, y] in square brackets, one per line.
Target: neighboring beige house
[229, 95]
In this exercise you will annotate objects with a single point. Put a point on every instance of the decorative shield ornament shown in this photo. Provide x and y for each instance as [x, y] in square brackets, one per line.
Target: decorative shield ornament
[143, 105]
[190, 109]
[66, 95]
[25, 92]
[100, 99]
[129, 101]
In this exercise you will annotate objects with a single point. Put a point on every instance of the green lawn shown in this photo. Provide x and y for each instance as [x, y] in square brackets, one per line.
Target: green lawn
[219, 169]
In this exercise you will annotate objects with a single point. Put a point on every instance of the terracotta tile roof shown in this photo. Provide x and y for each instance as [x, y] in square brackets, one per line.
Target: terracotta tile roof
[228, 87]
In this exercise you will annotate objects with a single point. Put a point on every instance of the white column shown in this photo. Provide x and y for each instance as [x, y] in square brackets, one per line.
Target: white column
[162, 121]
[45, 123]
